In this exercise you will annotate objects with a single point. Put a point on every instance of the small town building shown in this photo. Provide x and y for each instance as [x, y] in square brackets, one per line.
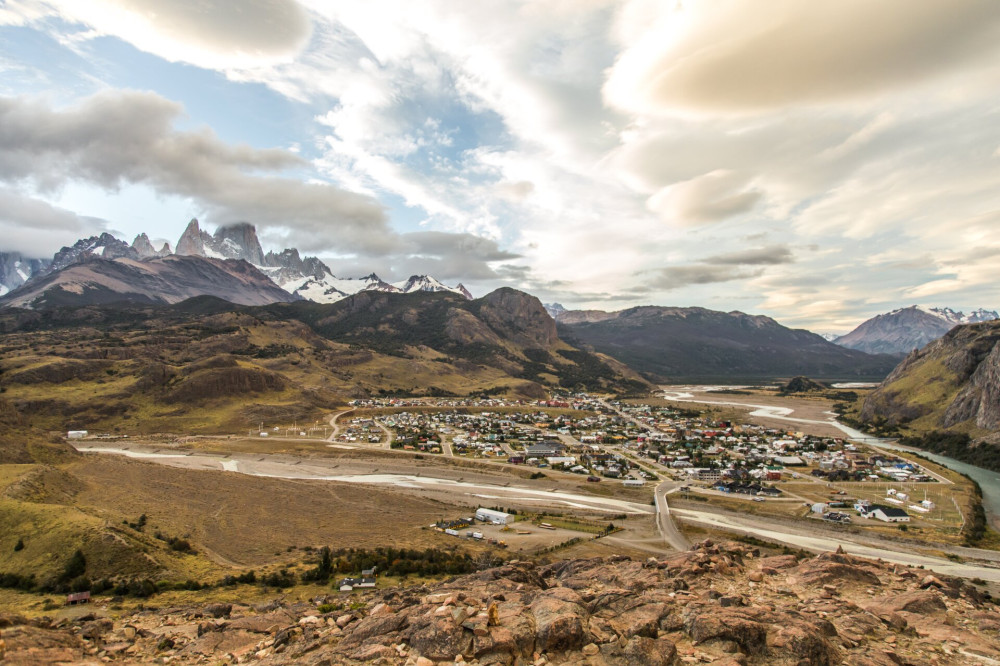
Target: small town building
[492, 516]
[349, 584]
[890, 514]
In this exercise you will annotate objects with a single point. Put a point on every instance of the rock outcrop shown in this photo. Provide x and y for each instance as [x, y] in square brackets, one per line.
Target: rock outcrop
[716, 604]
[144, 248]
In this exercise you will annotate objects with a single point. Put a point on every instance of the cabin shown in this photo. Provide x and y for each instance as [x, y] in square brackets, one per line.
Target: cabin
[78, 598]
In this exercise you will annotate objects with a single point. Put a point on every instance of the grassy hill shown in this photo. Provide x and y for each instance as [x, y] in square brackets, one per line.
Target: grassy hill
[945, 396]
[206, 366]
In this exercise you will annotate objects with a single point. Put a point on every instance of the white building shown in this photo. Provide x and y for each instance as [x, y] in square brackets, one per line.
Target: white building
[76, 434]
[491, 516]
[888, 514]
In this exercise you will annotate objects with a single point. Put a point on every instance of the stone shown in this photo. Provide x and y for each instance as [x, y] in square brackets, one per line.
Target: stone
[591, 649]
[750, 634]
[218, 610]
[559, 622]
[644, 651]
[440, 639]
[931, 581]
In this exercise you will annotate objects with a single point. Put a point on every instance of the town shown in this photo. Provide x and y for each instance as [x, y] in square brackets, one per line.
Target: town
[634, 442]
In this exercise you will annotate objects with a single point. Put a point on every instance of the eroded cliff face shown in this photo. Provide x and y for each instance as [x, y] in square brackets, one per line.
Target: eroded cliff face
[519, 317]
[717, 603]
[980, 399]
[951, 382]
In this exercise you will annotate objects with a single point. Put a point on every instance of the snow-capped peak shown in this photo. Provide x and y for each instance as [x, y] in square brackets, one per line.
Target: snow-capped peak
[428, 283]
[953, 317]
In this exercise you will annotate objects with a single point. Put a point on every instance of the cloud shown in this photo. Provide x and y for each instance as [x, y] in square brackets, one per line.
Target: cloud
[779, 152]
[214, 34]
[446, 256]
[761, 256]
[31, 226]
[709, 198]
[675, 277]
[730, 56]
[117, 138]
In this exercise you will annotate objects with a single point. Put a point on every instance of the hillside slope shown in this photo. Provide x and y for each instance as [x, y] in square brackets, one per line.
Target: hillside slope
[951, 384]
[695, 343]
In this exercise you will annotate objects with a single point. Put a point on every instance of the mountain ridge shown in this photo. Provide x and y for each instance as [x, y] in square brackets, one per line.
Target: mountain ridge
[302, 277]
[904, 329]
[674, 343]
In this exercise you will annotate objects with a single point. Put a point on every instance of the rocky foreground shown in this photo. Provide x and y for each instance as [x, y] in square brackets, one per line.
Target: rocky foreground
[716, 604]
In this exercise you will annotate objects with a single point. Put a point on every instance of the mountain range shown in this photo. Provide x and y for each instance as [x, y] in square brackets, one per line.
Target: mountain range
[691, 344]
[901, 331]
[664, 343]
[95, 269]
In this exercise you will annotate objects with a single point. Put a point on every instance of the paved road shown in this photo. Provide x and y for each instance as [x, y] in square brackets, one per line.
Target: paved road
[664, 520]
[816, 541]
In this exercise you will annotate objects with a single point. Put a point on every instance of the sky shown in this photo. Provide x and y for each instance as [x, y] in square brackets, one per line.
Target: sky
[816, 162]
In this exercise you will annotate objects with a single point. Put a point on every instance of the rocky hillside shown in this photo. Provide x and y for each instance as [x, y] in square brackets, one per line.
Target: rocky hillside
[699, 344]
[901, 331]
[716, 604]
[952, 383]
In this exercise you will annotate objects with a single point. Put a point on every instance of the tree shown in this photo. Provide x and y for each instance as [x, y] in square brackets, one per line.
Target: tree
[75, 568]
[19, 545]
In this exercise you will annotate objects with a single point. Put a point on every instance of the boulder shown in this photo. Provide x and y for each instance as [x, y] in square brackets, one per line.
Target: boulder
[732, 625]
[441, 639]
[559, 621]
[644, 651]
